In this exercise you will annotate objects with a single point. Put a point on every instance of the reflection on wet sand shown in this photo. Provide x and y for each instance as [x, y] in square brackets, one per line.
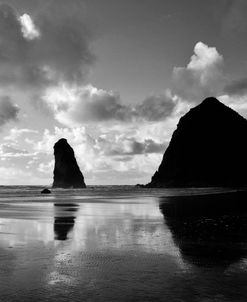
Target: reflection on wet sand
[120, 249]
[64, 220]
[209, 230]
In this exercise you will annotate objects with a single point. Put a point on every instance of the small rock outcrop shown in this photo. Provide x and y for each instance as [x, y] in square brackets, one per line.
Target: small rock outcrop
[45, 191]
[140, 186]
[66, 172]
[208, 148]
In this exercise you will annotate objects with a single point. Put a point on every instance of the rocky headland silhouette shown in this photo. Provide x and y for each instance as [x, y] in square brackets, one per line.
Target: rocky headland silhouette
[208, 148]
[67, 173]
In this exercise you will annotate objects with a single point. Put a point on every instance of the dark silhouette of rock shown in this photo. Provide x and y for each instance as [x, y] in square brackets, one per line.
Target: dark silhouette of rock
[208, 148]
[209, 230]
[66, 172]
[46, 191]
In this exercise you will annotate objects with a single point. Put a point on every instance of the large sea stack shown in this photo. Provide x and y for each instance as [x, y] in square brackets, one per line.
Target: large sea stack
[208, 148]
[66, 172]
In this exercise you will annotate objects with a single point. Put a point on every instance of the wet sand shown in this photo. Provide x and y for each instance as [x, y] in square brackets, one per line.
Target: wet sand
[122, 244]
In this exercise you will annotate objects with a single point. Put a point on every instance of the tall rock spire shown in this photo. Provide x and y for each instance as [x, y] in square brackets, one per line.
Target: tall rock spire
[66, 171]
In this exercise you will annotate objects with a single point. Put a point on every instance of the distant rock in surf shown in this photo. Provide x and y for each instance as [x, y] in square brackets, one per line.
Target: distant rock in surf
[45, 191]
[208, 148]
[66, 172]
[140, 186]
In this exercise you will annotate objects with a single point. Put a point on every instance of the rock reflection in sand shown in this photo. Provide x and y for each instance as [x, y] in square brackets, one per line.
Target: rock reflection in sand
[210, 230]
[89, 226]
[64, 220]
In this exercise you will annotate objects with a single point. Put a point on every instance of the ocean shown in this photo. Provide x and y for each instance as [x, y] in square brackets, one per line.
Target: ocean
[122, 243]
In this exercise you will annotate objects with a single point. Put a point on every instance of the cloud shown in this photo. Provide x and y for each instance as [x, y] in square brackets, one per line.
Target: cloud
[237, 88]
[202, 77]
[28, 28]
[50, 51]
[52, 47]
[76, 105]
[236, 102]
[11, 151]
[10, 174]
[13, 47]
[130, 146]
[8, 110]
[47, 168]
[75, 136]
[156, 107]
[73, 106]
[64, 46]
[16, 133]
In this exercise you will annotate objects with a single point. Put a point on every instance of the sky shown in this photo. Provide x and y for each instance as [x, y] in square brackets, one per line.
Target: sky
[113, 77]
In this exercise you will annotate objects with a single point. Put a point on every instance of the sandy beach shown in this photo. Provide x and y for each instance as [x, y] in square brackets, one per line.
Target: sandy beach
[116, 244]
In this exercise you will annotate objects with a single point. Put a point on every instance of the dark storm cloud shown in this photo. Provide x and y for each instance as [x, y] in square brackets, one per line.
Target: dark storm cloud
[60, 51]
[155, 108]
[136, 148]
[237, 88]
[49, 47]
[8, 111]
[64, 43]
